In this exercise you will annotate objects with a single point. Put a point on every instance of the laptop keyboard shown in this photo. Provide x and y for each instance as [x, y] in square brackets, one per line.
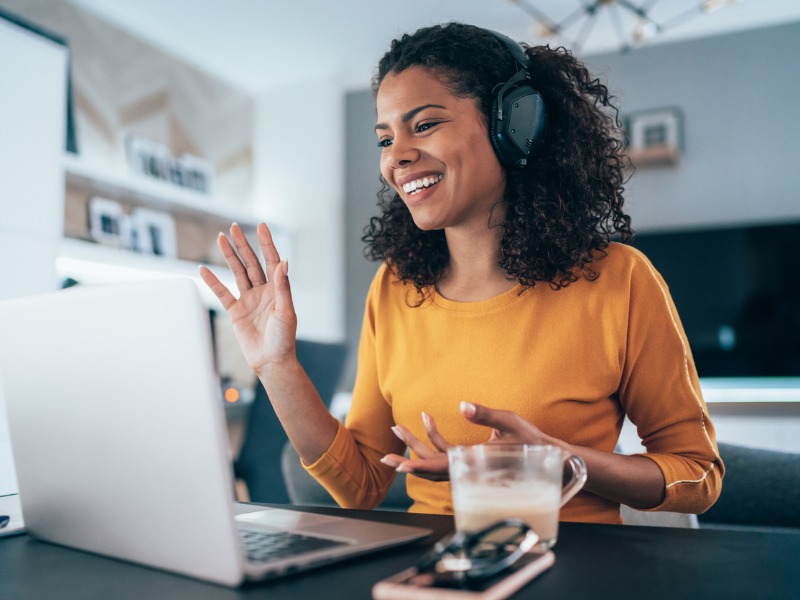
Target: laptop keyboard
[268, 545]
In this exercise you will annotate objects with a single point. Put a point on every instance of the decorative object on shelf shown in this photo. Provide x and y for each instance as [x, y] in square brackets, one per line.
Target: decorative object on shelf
[655, 136]
[195, 173]
[108, 223]
[154, 159]
[153, 232]
[632, 24]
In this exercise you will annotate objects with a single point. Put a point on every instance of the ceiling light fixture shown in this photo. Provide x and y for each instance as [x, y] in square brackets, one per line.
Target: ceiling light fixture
[633, 24]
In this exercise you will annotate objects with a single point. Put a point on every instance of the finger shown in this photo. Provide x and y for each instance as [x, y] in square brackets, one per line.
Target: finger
[254, 271]
[434, 436]
[284, 305]
[393, 460]
[234, 263]
[216, 286]
[419, 448]
[504, 421]
[268, 249]
[435, 468]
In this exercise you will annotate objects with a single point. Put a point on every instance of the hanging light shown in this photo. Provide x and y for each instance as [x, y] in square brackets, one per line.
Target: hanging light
[576, 27]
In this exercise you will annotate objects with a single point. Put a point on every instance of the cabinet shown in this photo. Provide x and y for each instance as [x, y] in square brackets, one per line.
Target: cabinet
[198, 220]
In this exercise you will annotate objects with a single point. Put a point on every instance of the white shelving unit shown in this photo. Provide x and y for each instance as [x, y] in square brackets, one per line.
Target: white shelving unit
[93, 263]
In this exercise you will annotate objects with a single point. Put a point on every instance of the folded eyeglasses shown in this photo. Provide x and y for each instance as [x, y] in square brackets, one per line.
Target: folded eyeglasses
[464, 557]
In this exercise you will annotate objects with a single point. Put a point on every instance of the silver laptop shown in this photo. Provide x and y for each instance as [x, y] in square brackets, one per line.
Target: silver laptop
[119, 440]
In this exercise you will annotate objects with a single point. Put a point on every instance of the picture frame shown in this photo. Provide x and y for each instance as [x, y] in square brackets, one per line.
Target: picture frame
[655, 137]
[108, 223]
[153, 232]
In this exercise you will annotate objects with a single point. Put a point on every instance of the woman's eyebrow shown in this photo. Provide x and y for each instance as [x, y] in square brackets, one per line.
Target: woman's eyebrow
[410, 115]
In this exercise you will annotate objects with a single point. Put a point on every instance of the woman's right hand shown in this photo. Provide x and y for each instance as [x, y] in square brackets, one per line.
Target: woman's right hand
[263, 316]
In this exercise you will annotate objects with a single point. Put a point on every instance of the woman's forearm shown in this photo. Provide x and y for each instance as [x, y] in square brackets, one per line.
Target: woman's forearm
[635, 481]
[305, 418]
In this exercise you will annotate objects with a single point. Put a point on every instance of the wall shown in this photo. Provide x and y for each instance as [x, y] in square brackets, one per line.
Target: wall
[299, 164]
[738, 95]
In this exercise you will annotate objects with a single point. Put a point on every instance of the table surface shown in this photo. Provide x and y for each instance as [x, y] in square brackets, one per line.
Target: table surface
[592, 561]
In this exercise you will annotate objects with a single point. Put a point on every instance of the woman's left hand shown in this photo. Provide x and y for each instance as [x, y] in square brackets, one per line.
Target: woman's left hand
[507, 428]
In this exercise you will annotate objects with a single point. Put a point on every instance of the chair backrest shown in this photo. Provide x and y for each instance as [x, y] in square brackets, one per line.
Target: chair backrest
[259, 461]
[304, 489]
[760, 488]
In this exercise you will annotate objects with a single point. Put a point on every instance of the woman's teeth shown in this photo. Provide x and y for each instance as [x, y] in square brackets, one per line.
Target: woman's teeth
[412, 187]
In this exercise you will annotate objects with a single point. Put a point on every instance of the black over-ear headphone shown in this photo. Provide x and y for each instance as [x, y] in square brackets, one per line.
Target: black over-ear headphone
[518, 120]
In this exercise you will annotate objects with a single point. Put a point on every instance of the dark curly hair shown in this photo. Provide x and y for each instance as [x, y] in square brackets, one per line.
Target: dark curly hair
[562, 208]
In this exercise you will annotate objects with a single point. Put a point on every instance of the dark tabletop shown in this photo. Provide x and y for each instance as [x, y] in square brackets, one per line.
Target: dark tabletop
[592, 561]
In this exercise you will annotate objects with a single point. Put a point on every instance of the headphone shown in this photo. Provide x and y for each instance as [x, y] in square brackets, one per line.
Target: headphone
[518, 120]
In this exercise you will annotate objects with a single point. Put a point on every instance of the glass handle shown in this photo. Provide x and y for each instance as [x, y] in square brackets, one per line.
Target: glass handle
[575, 483]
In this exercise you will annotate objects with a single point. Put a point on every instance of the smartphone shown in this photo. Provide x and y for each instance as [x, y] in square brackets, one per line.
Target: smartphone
[413, 585]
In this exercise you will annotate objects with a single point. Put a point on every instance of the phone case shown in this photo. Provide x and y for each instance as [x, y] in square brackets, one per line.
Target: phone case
[400, 586]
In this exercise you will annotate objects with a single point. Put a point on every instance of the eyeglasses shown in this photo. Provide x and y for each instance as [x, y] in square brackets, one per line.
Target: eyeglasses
[464, 557]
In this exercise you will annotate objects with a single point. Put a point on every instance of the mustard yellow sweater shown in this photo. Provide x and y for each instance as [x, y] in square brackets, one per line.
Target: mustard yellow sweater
[574, 362]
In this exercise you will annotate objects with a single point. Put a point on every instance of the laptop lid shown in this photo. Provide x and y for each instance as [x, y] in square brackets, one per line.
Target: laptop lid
[118, 431]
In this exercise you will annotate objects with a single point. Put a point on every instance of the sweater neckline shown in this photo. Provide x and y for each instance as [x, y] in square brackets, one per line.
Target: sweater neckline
[503, 299]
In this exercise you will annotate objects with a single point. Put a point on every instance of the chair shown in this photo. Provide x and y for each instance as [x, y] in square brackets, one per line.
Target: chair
[259, 461]
[761, 489]
[304, 489]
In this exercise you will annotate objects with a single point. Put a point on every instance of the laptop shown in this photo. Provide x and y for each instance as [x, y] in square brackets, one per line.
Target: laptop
[118, 433]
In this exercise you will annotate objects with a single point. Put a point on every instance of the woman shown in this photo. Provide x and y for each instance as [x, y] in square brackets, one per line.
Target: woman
[503, 312]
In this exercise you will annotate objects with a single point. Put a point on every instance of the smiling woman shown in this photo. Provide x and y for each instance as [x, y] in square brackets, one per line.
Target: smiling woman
[502, 312]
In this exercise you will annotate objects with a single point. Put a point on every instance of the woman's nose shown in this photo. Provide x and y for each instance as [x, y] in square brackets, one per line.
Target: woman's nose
[402, 152]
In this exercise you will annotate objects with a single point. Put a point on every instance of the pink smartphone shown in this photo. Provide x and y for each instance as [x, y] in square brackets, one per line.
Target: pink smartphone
[412, 585]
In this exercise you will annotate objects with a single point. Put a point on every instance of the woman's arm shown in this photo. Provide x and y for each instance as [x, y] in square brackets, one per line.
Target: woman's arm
[265, 324]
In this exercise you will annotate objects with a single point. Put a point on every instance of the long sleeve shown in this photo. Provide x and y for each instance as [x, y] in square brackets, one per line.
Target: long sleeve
[660, 393]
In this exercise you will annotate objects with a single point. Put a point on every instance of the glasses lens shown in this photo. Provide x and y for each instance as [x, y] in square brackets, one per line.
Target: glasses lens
[480, 554]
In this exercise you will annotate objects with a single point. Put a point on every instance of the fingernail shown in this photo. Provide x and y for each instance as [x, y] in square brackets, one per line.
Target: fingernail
[285, 267]
[398, 433]
[385, 460]
[426, 420]
[468, 409]
[403, 468]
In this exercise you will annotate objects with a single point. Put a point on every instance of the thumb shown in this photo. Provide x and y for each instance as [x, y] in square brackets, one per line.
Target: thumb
[503, 421]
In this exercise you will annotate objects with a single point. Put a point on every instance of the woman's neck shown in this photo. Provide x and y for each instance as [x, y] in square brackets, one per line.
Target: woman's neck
[474, 272]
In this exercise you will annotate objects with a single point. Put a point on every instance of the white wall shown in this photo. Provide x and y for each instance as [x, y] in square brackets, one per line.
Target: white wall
[299, 185]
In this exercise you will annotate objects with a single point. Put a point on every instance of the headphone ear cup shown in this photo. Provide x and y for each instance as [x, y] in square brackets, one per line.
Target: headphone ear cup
[519, 134]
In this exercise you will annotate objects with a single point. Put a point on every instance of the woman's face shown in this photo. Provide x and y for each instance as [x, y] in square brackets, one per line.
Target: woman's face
[436, 152]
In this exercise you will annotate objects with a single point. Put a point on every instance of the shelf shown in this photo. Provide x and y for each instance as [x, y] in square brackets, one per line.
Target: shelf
[92, 263]
[152, 193]
[751, 390]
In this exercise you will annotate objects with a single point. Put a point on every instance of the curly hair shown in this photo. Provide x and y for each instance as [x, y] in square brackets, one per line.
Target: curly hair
[562, 208]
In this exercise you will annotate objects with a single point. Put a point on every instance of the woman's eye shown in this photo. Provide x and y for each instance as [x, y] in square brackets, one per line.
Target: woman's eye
[425, 126]
[384, 143]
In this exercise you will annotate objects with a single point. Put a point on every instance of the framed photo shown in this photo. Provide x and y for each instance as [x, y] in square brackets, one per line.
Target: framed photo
[108, 223]
[655, 136]
[153, 232]
[196, 173]
[148, 158]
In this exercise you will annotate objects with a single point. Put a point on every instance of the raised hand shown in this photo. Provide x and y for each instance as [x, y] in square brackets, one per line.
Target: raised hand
[263, 316]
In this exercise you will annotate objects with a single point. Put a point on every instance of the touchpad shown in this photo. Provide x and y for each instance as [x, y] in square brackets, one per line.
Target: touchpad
[284, 519]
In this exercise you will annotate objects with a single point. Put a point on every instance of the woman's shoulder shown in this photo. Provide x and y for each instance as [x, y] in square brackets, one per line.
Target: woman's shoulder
[619, 258]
